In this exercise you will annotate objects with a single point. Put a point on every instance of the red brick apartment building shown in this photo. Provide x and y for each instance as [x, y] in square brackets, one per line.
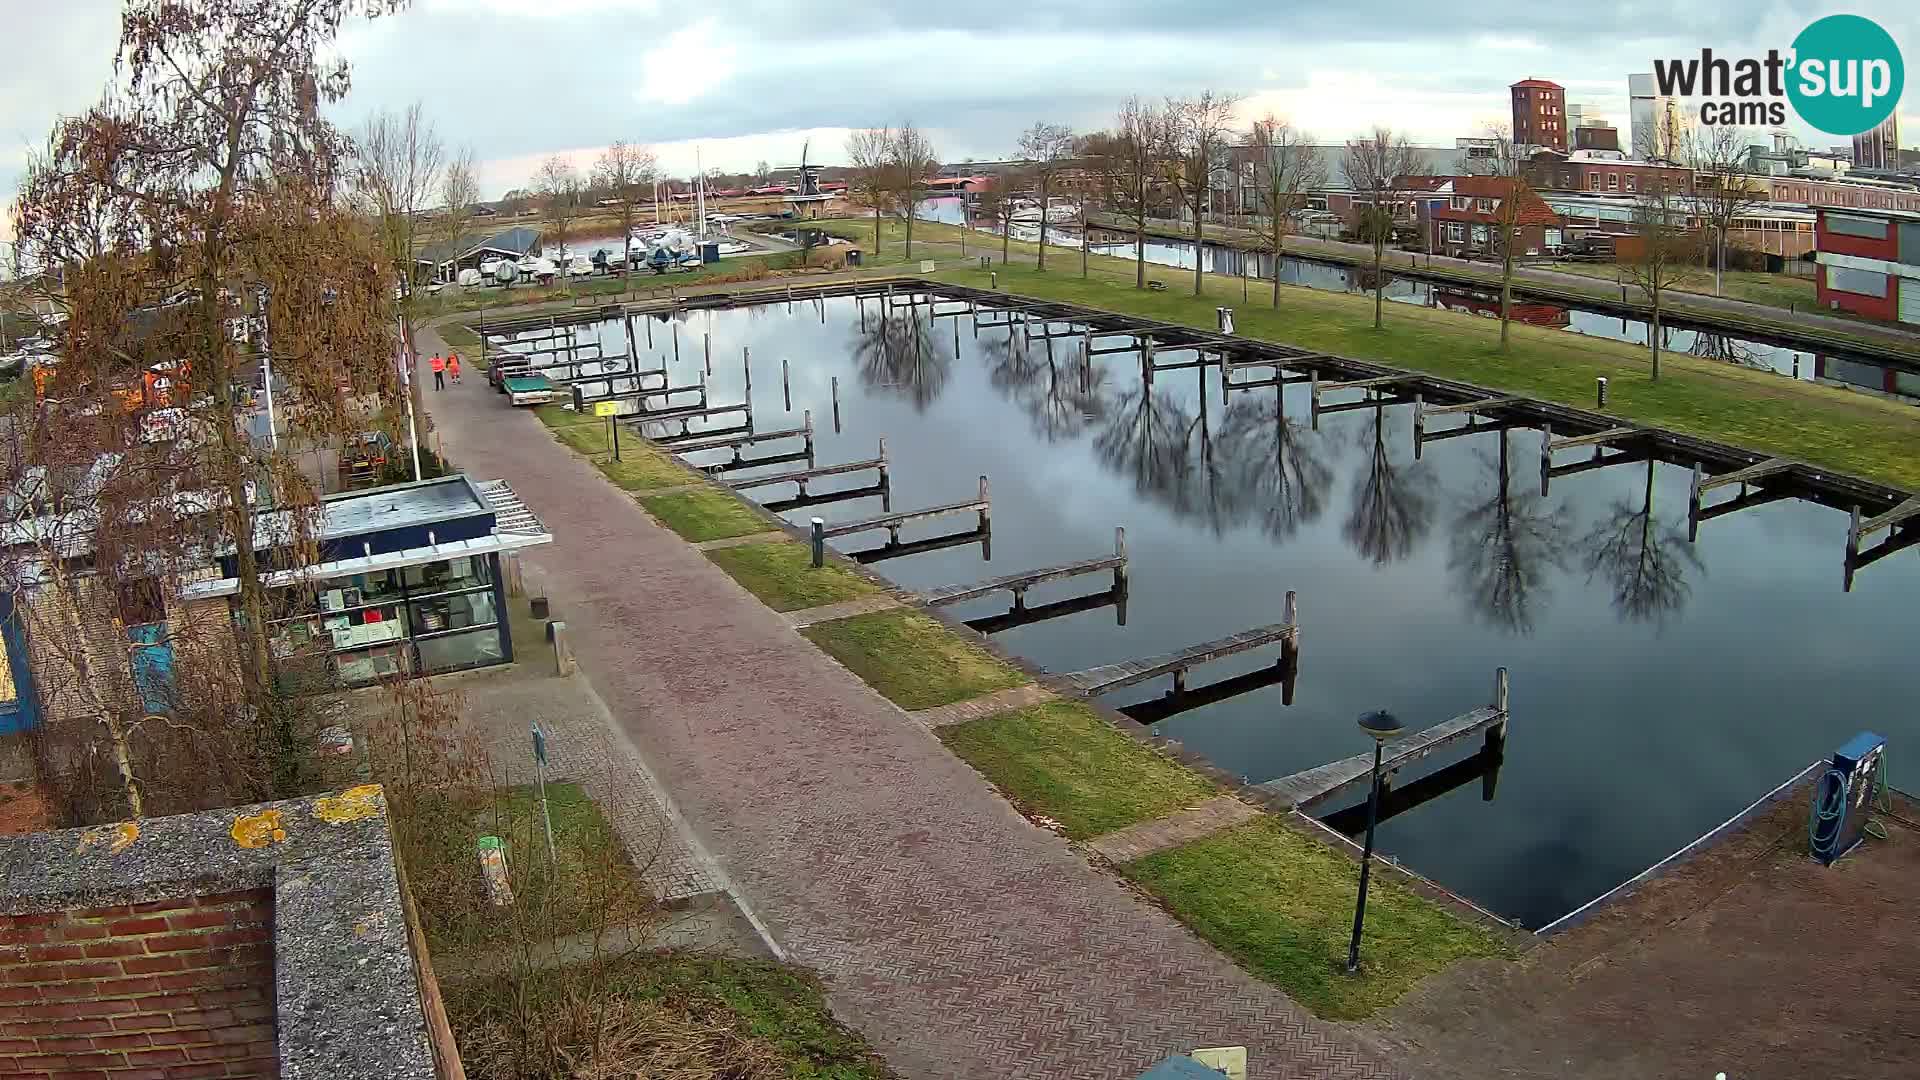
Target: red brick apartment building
[1539, 114]
[1869, 263]
[1463, 214]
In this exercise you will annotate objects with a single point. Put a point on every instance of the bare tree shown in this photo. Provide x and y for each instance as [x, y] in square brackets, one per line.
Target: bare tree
[1197, 135]
[558, 184]
[1376, 165]
[1515, 205]
[1286, 167]
[396, 174]
[625, 170]
[913, 161]
[1045, 149]
[459, 193]
[1130, 164]
[201, 195]
[996, 203]
[1662, 249]
[1722, 190]
[870, 154]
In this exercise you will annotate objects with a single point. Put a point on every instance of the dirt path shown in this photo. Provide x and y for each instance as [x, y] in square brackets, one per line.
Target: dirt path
[960, 939]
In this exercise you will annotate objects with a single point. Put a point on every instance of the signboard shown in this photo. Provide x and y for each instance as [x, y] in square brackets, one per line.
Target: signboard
[606, 408]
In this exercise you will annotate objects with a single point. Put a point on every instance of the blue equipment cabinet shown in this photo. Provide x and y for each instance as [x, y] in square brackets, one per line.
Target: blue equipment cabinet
[1843, 797]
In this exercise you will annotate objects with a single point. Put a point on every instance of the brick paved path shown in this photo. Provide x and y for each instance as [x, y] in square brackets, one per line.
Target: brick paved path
[960, 939]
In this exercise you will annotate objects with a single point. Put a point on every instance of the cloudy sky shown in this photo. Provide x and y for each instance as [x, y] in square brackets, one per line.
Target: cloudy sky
[747, 80]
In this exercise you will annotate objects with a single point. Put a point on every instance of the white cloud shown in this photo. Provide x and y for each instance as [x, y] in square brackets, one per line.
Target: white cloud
[539, 9]
[689, 62]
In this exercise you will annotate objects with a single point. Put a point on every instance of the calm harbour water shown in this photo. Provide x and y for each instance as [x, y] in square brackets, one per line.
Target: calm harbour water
[1658, 686]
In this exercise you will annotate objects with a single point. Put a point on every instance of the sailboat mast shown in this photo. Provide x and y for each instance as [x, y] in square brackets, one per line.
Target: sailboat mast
[700, 196]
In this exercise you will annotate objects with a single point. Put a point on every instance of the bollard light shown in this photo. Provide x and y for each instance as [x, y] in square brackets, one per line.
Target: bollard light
[1600, 391]
[819, 543]
[1381, 725]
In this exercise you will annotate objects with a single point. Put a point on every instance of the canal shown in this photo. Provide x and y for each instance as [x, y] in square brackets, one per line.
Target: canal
[1658, 686]
[1847, 369]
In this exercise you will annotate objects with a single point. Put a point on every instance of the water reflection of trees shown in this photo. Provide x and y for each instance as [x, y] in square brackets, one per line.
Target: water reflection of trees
[1392, 509]
[1505, 544]
[1147, 436]
[1722, 347]
[1045, 386]
[1275, 469]
[1643, 561]
[898, 353]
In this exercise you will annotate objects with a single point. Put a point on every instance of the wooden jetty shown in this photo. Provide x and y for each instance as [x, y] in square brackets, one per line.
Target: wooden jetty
[1019, 583]
[803, 477]
[1765, 469]
[736, 442]
[685, 418]
[1371, 385]
[1115, 598]
[1309, 786]
[892, 522]
[1107, 677]
[1154, 710]
[1901, 524]
[1600, 441]
[1397, 799]
[1230, 366]
[1471, 408]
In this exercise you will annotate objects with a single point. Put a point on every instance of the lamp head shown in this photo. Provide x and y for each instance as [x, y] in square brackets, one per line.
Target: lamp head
[1382, 725]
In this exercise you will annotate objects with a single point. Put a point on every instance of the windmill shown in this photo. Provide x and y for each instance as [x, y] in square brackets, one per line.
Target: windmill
[809, 174]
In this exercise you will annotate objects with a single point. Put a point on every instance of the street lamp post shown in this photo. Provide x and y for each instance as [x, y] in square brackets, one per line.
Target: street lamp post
[1381, 725]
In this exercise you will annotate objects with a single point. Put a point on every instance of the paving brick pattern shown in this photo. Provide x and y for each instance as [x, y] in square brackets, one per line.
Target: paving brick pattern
[1193, 823]
[1014, 697]
[960, 939]
[845, 609]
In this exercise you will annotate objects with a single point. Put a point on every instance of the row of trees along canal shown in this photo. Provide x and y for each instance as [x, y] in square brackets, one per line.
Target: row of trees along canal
[206, 220]
[1174, 155]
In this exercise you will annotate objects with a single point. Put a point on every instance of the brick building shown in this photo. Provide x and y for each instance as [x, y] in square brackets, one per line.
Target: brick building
[1604, 172]
[1540, 114]
[1869, 263]
[1849, 194]
[1463, 216]
[254, 942]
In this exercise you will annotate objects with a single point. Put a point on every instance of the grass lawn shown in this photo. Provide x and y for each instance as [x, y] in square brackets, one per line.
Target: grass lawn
[641, 467]
[1282, 905]
[665, 1014]
[1851, 432]
[1775, 290]
[1060, 759]
[705, 515]
[782, 575]
[915, 661]
[590, 883]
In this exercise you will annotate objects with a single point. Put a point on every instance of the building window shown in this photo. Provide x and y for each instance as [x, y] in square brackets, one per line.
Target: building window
[1847, 225]
[431, 617]
[1629, 181]
[1593, 181]
[1858, 282]
[141, 603]
[1486, 206]
[1613, 181]
[1458, 202]
[1479, 234]
[1456, 233]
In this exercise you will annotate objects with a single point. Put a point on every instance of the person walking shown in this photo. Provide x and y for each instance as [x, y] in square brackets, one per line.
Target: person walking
[453, 367]
[439, 364]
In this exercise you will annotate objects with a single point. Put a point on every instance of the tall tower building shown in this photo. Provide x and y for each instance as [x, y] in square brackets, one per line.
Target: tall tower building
[1539, 114]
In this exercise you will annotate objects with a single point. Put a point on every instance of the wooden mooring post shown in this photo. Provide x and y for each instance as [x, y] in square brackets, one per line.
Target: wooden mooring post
[786, 386]
[746, 366]
[836, 404]
[706, 346]
[676, 341]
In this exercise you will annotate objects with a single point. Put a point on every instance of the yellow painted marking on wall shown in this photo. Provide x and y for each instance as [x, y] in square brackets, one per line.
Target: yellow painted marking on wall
[258, 830]
[118, 838]
[350, 805]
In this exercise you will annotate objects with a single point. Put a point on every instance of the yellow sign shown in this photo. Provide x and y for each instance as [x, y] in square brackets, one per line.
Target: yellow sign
[606, 408]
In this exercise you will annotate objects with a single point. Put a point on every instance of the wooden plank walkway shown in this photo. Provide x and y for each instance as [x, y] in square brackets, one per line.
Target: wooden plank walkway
[1020, 582]
[845, 609]
[731, 541]
[1311, 785]
[893, 521]
[802, 477]
[959, 712]
[1107, 677]
[1421, 408]
[1759, 471]
[734, 442]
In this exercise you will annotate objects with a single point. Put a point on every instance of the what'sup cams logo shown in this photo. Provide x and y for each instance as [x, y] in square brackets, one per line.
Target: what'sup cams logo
[1843, 75]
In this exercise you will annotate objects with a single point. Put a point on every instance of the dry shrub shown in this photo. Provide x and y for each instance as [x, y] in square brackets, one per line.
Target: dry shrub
[571, 1032]
[826, 258]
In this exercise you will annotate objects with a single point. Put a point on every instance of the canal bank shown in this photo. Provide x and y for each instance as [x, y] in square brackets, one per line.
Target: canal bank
[961, 939]
[1804, 331]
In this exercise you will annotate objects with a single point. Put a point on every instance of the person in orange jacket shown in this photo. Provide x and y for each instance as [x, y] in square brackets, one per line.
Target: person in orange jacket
[453, 367]
[439, 365]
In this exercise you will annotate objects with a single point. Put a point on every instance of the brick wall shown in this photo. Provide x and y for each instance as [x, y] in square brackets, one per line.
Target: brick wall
[177, 989]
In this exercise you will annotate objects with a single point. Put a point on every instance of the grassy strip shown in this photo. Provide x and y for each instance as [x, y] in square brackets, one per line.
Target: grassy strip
[782, 575]
[641, 468]
[1060, 759]
[640, 285]
[1281, 904]
[913, 660]
[1852, 432]
[705, 515]
[591, 882]
[666, 1015]
[1757, 287]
